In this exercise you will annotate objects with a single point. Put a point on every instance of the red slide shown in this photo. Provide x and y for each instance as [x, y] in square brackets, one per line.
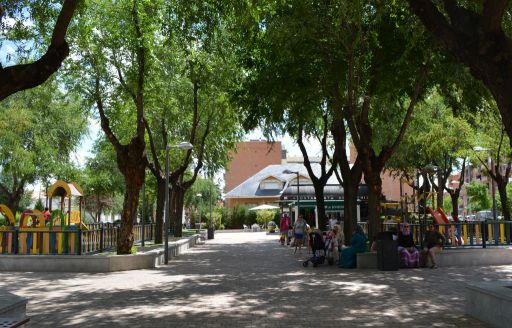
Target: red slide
[438, 216]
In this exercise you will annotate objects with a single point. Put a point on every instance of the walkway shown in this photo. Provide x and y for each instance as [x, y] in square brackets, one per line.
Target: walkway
[249, 280]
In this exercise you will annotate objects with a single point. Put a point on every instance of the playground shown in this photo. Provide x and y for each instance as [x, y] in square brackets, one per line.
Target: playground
[60, 230]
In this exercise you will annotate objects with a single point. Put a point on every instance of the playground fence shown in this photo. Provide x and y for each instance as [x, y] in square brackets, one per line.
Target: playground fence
[464, 234]
[96, 239]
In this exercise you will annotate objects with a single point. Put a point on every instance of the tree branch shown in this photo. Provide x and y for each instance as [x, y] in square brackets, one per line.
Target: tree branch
[435, 22]
[141, 61]
[493, 14]
[420, 82]
[105, 123]
[25, 76]
[155, 167]
[121, 79]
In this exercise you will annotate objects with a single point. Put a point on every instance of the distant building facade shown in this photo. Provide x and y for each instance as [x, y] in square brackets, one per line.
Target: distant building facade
[249, 158]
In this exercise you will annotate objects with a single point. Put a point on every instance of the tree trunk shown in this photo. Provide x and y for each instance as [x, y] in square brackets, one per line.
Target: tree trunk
[132, 164]
[374, 210]
[502, 190]
[176, 204]
[440, 189]
[455, 206]
[14, 197]
[374, 183]
[179, 213]
[320, 207]
[160, 206]
[130, 204]
[350, 191]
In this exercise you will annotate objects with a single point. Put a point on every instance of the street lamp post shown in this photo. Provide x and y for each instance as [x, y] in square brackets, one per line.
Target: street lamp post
[212, 225]
[182, 145]
[142, 243]
[298, 190]
[198, 225]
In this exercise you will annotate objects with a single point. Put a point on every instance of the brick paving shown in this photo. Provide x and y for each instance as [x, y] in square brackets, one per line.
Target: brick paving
[249, 280]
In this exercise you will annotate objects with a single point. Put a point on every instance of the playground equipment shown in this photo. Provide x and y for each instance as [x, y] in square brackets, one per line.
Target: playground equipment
[58, 235]
[7, 213]
[67, 191]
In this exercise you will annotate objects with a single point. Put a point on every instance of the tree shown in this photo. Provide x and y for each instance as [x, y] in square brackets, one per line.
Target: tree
[498, 164]
[477, 34]
[478, 196]
[34, 18]
[285, 89]
[210, 195]
[39, 129]
[436, 138]
[381, 87]
[112, 59]
[102, 179]
[197, 66]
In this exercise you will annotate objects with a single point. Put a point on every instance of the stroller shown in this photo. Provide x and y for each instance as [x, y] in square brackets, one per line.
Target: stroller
[320, 249]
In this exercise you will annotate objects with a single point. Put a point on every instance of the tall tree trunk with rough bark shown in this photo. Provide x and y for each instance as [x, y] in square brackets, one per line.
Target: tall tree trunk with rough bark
[160, 206]
[501, 184]
[132, 165]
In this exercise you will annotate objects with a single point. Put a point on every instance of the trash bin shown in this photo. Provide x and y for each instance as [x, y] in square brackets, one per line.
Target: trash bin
[210, 233]
[387, 253]
[198, 227]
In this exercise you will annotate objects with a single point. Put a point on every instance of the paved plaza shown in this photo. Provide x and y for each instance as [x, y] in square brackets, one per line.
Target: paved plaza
[249, 280]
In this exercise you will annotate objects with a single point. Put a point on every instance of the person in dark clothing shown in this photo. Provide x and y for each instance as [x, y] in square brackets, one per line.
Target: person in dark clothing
[432, 244]
[409, 255]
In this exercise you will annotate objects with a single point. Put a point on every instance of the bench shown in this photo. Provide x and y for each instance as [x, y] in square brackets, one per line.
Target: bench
[12, 323]
[460, 257]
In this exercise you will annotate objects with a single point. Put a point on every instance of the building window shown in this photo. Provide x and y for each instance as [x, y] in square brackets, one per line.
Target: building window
[274, 185]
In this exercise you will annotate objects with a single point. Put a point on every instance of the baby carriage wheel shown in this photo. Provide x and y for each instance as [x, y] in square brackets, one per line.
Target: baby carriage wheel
[330, 261]
[305, 264]
[315, 264]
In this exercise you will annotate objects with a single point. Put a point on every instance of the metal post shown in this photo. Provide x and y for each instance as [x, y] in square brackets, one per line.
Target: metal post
[142, 216]
[102, 232]
[166, 251]
[298, 197]
[493, 192]
[484, 235]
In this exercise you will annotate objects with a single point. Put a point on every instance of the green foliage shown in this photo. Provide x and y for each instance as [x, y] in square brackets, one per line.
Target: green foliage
[435, 136]
[447, 205]
[39, 205]
[478, 197]
[101, 179]
[240, 216]
[264, 217]
[39, 128]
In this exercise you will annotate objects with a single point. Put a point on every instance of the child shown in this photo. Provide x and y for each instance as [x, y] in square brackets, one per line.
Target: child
[290, 236]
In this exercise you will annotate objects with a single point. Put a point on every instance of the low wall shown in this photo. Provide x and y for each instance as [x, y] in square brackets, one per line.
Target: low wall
[93, 263]
[463, 257]
[490, 302]
[12, 306]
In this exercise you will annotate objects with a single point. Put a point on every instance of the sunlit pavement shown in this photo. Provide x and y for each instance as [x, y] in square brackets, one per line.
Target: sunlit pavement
[249, 280]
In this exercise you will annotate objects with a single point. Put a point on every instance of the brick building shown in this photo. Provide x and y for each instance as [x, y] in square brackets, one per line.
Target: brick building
[249, 158]
[257, 162]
